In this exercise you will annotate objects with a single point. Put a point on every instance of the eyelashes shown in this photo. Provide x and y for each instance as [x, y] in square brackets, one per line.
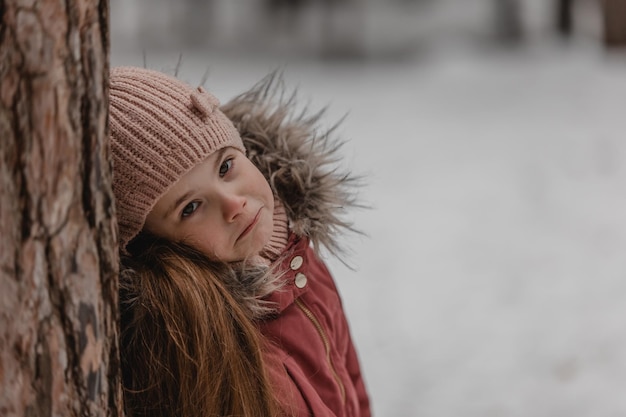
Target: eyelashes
[225, 167]
[189, 209]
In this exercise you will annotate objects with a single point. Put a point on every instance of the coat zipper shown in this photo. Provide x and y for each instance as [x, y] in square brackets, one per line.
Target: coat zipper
[324, 338]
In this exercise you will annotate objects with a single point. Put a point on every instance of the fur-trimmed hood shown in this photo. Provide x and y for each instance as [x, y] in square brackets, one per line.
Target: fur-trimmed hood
[301, 162]
[303, 167]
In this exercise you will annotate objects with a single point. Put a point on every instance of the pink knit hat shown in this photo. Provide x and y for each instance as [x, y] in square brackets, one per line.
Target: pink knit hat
[160, 128]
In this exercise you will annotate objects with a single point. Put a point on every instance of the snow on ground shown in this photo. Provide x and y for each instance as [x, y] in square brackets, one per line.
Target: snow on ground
[492, 282]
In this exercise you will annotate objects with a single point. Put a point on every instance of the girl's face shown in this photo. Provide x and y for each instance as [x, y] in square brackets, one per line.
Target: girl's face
[223, 207]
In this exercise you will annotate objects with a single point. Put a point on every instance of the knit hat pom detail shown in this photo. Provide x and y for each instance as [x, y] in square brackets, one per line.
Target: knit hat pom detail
[204, 102]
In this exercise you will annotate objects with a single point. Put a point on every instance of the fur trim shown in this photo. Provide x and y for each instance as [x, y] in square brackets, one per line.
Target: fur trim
[301, 163]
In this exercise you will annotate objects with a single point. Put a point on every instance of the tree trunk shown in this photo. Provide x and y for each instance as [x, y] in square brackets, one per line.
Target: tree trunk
[342, 29]
[58, 255]
[508, 20]
[614, 22]
[564, 17]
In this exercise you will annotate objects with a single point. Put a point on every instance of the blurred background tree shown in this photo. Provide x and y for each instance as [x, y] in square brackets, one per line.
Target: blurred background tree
[357, 28]
[614, 22]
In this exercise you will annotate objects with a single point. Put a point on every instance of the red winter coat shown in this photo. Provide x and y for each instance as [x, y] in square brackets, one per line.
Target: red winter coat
[315, 364]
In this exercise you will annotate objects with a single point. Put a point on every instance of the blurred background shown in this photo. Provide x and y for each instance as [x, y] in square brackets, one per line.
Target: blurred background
[492, 278]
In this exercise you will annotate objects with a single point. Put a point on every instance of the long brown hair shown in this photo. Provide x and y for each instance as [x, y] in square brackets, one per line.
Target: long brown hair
[189, 346]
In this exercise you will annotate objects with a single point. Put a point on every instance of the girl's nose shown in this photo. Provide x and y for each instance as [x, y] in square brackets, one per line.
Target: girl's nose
[232, 206]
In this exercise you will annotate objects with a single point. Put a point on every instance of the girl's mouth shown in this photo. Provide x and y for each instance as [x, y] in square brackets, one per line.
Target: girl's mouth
[249, 228]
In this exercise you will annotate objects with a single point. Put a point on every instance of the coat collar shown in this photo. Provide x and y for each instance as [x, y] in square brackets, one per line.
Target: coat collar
[292, 264]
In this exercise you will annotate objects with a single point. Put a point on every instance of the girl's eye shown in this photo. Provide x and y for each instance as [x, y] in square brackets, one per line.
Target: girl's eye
[189, 209]
[226, 166]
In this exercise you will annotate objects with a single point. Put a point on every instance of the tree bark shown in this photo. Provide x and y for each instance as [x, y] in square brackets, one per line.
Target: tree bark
[58, 254]
[614, 22]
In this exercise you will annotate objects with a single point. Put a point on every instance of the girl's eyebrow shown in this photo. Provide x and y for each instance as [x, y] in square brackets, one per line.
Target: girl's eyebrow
[186, 195]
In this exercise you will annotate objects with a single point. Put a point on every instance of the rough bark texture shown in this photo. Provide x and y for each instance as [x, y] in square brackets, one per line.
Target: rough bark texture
[614, 22]
[58, 256]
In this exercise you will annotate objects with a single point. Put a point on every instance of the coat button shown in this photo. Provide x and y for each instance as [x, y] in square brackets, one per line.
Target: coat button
[300, 280]
[296, 262]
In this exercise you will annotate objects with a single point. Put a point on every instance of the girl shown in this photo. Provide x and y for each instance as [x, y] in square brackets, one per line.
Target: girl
[226, 308]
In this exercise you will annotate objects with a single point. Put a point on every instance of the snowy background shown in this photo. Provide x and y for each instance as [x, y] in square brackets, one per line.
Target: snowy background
[492, 281]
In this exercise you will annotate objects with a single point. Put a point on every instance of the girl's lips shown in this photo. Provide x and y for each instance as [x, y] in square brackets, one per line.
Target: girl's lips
[249, 228]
